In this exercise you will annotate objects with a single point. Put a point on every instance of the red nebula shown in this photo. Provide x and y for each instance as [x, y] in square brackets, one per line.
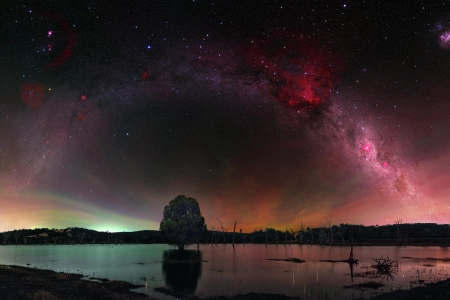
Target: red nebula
[302, 73]
[83, 98]
[365, 147]
[145, 75]
[81, 116]
[67, 52]
[32, 93]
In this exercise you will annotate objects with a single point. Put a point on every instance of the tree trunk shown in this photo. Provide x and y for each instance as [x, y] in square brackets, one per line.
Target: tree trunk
[266, 236]
[181, 246]
[234, 230]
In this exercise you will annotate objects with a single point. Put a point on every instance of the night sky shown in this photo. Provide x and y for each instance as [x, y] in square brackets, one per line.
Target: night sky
[269, 113]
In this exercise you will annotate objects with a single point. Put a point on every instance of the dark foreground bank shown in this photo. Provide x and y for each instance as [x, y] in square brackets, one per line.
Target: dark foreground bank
[28, 283]
[431, 291]
[20, 283]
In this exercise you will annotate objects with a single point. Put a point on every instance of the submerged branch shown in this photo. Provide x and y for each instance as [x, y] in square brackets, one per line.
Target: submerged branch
[290, 259]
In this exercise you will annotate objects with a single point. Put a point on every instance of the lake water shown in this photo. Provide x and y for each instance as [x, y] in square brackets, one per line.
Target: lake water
[224, 270]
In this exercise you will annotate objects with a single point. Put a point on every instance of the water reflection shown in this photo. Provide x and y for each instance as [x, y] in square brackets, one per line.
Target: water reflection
[182, 269]
[240, 270]
[351, 265]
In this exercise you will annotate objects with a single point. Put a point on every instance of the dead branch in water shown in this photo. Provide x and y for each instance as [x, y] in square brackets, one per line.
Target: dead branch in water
[290, 259]
[384, 264]
[351, 259]
[386, 268]
[429, 258]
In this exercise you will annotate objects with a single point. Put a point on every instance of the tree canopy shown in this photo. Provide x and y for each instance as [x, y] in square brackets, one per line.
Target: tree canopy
[183, 223]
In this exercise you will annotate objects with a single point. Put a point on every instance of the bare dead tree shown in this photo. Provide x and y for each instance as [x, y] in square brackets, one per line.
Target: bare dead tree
[223, 231]
[398, 223]
[212, 235]
[343, 241]
[402, 235]
[312, 235]
[323, 239]
[326, 234]
[81, 236]
[266, 236]
[300, 233]
[234, 231]
[6, 236]
[17, 234]
[329, 224]
[285, 237]
[351, 257]
[292, 232]
[404, 238]
[252, 239]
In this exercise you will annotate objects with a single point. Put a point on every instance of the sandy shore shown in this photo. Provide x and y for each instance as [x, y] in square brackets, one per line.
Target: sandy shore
[29, 283]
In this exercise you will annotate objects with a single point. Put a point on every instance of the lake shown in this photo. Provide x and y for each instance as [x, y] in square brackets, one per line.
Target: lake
[224, 270]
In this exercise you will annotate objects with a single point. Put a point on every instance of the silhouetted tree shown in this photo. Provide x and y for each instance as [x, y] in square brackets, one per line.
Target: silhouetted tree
[183, 223]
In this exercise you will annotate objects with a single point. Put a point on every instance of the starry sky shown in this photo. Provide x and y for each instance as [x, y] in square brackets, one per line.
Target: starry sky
[269, 113]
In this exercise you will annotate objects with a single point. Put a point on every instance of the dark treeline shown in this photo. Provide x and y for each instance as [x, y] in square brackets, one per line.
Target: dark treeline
[397, 234]
[344, 234]
[76, 235]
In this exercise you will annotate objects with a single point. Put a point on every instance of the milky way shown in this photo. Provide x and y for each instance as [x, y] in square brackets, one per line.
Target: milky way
[442, 31]
[266, 116]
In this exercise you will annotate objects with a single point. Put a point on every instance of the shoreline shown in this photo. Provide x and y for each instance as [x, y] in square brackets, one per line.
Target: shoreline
[17, 282]
[335, 244]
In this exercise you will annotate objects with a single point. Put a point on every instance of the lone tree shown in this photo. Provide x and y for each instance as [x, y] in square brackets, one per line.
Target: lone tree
[182, 223]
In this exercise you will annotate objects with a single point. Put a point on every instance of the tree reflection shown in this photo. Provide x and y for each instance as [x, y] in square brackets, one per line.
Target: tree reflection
[182, 269]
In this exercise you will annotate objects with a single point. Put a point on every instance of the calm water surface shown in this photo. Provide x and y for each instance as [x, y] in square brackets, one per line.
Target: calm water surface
[224, 270]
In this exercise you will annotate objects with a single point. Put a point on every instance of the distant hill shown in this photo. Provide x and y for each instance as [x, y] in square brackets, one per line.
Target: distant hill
[328, 234]
[75, 235]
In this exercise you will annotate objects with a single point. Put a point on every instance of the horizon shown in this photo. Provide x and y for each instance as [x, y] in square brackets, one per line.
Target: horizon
[268, 114]
[220, 230]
